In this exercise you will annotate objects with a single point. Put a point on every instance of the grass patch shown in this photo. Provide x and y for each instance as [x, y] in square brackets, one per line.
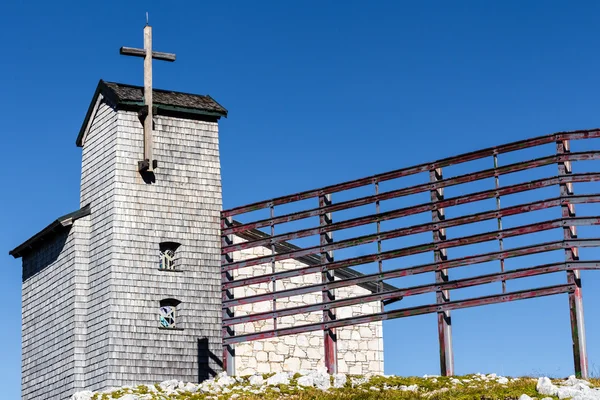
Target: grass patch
[468, 387]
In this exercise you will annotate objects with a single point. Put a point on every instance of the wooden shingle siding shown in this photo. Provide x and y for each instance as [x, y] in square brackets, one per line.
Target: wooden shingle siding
[182, 205]
[51, 313]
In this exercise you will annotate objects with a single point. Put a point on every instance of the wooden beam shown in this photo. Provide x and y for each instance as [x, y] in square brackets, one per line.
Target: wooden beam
[158, 55]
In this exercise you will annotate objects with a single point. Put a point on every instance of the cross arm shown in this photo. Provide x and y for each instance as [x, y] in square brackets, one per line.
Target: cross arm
[131, 51]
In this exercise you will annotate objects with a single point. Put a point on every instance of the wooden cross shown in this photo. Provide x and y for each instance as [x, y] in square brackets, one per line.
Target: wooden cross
[148, 164]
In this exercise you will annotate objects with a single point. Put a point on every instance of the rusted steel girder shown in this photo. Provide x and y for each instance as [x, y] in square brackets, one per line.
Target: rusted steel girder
[573, 276]
[329, 334]
[396, 273]
[425, 187]
[442, 296]
[421, 248]
[369, 219]
[417, 290]
[227, 331]
[406, 312]
[436, 206]
[523, 144]
[420, 269]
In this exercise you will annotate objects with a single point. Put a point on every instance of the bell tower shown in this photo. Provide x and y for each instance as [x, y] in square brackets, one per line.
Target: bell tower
[127, 289]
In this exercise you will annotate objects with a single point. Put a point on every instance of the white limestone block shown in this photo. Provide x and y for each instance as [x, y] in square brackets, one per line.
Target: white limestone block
[365, 332]
[292, 364]
[269, 346]
[274, 357]
[302, 341]
[262, 356]
[282, 349]
[298, 352]
[313, 354]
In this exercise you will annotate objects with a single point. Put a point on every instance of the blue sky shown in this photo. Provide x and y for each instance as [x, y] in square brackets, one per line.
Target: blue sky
[367, 86]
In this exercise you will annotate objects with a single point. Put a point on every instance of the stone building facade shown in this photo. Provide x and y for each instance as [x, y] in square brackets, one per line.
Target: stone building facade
[359, 347]
[127, 289]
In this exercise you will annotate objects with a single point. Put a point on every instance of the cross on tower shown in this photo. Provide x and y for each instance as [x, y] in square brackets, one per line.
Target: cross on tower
[148, 163]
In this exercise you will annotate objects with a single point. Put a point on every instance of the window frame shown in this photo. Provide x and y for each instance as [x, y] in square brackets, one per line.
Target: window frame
[173, 305]
[168, 255]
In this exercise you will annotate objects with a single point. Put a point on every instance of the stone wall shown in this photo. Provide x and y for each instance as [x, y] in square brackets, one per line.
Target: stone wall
[360, 347]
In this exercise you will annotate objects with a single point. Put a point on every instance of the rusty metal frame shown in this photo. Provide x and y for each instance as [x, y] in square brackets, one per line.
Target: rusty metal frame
[439, 246]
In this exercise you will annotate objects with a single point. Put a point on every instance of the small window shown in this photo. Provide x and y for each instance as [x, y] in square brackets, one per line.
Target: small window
[167, 255]
[168, 313]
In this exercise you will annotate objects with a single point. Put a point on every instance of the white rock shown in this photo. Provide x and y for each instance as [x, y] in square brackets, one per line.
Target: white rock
[190, 387]
[339, 380]
[572, 381]
[280, 378]
[84, 395]
[306, 381]
[225, 381]
[524, 397]
[502, 380]
[576, 391]
[169, 386]
[321, 380]
[545, 386]
[256, 380]
[129, 396]
[411, 388]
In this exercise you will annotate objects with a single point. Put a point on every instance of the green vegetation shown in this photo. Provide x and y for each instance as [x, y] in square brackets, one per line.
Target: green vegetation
[376, 388]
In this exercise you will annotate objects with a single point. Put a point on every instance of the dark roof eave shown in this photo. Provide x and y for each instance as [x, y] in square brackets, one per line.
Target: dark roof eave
[58, 225]
[175, 109]
[104, 89]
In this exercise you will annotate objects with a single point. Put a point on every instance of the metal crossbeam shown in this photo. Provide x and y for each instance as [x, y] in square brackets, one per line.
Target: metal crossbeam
[365, 228]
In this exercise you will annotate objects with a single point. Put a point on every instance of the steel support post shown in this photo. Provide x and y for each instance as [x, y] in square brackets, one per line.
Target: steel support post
[273, 267]
[380, 262]
[500, 241]
[330, 339]
[573, 277]
[442, 296]
[227, 276]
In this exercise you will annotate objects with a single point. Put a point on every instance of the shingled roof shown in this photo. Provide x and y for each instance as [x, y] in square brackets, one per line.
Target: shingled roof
[59, 225]
[165, 102]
